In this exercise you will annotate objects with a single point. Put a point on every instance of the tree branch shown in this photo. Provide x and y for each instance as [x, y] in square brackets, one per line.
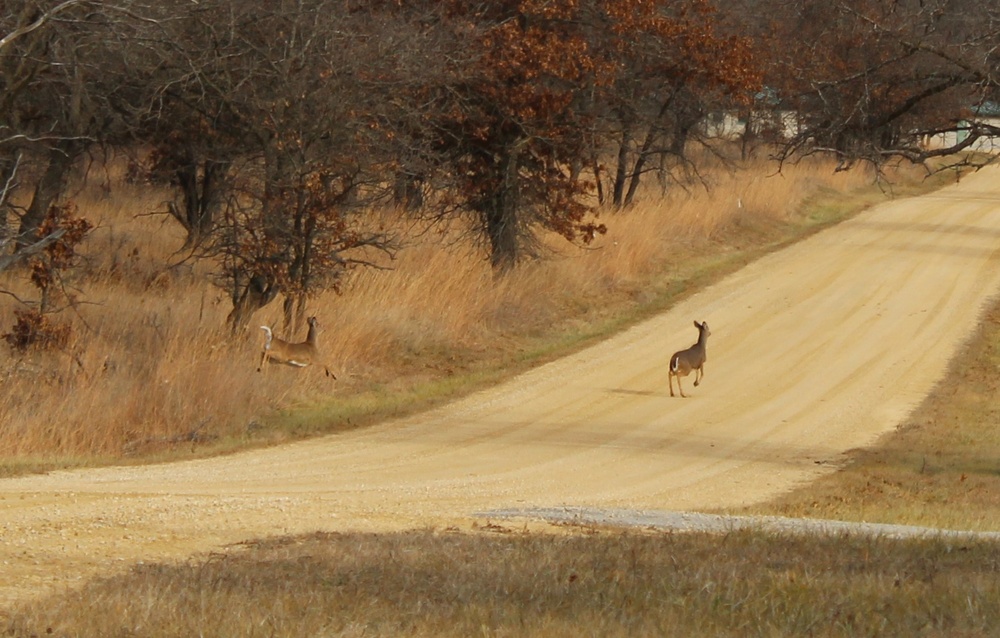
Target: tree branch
[39, 22]
[9, 260]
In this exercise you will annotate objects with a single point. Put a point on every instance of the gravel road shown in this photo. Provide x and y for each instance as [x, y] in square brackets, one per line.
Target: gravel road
[815, 350]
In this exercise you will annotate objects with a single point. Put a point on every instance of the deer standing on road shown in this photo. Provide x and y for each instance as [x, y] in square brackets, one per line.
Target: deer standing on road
[684, 361]
[298, 355]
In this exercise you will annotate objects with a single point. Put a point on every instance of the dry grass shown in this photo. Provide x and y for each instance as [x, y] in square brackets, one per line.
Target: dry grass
[438, 324]
[432, 584]
[149, 371]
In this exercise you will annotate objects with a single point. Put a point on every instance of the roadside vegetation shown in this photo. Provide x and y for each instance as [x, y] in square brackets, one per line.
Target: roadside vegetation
[456, 199]
[507, 581]
[150, 371]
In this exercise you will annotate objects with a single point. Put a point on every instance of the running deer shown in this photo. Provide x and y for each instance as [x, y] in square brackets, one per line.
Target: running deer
[298, 355]
[684, 361]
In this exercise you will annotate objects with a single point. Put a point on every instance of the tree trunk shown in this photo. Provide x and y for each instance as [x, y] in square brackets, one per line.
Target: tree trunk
[258, 293]
[202, 190]
[599, 181]
[9, 162]
[49, 187]
[407, 191]
[621, 171]
[640, 166]
[500, 215]
[662, 174]
[747, 143]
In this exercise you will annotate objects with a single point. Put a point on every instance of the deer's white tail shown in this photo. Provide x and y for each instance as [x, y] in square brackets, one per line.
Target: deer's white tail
[296, 354]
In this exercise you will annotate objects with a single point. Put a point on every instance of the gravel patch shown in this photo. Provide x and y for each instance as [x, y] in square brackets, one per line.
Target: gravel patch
[722, 523]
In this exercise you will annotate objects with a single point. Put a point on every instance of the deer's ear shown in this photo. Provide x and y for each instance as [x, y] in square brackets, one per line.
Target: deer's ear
[697, 325]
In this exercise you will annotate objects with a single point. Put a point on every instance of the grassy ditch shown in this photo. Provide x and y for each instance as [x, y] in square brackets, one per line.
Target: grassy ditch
[604, 584]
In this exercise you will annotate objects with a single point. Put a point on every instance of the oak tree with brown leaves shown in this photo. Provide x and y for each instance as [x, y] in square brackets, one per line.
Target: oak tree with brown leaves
[507, 121]
[534, 91]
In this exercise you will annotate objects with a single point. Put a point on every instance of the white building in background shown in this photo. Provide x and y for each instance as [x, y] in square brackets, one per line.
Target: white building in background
[784, 125]
[730, 125]
[986, 113]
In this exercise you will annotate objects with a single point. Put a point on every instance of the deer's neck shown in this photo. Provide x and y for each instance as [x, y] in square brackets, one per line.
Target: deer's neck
[702, 341]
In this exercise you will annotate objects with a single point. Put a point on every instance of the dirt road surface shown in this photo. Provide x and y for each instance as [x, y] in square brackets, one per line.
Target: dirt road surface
[815, 350]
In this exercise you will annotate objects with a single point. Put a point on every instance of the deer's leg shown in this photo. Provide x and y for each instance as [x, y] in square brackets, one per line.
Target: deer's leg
[263, 359]
[679, 388]
[699, 373]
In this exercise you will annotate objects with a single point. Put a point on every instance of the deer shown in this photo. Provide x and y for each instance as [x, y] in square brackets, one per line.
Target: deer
[298, 355]
[684, 361]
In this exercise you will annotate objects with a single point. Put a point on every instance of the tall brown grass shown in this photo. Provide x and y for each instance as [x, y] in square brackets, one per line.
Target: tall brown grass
[149, 365]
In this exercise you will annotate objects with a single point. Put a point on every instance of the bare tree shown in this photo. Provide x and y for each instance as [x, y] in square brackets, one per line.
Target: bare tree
[6, 261]
[871, 80]
[58, 74]
[266, 118]
[677, 66]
